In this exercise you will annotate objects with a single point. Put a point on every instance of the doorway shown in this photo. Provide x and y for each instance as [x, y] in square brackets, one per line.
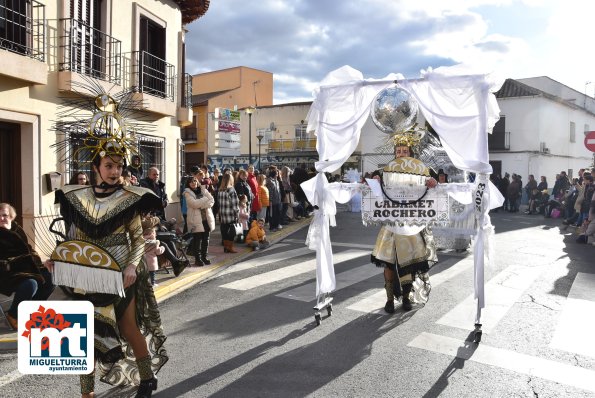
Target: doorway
[10, 167]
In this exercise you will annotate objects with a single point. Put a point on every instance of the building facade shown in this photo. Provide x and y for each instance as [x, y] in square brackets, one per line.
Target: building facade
[238, 89]
[49, 47]
[541, 129]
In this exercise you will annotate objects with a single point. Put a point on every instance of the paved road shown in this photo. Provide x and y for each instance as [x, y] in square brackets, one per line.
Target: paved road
[250, 331]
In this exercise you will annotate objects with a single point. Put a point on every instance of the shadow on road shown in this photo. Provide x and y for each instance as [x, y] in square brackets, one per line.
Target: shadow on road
[301, 371]
[464, 353]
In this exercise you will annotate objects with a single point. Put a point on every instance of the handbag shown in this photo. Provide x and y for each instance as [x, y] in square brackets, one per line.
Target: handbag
[290, 199]
[236, 228]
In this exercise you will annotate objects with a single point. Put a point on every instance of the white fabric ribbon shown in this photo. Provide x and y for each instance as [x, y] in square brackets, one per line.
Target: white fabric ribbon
[324, 195]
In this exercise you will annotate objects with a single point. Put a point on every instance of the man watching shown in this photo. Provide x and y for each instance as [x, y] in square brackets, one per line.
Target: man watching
[153, 183]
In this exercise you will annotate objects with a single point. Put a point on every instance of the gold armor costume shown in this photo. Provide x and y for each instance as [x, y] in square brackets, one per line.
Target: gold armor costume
[113, 222]
[411, 256]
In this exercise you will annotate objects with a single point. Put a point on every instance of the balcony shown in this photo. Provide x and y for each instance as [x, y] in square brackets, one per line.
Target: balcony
[22, 35]
[189, 134]
[185, 110]
[292, 145]
[154, 81]
[89, 52]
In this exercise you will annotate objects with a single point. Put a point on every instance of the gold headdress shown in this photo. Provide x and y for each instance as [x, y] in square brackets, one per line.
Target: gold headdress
[410, 137]
[95, 124]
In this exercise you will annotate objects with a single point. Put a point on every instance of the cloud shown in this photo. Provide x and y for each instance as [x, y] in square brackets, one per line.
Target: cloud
[300, 41]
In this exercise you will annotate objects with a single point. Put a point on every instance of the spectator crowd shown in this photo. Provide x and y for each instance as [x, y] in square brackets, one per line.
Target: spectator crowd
[572, 202]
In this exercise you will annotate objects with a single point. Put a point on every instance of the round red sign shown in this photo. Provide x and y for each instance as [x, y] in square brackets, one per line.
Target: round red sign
[590, 141]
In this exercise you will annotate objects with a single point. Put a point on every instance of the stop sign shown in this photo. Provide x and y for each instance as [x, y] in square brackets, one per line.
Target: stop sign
[590, 141]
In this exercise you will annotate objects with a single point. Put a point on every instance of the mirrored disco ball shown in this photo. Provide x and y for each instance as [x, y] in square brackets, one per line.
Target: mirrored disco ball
[394, 110]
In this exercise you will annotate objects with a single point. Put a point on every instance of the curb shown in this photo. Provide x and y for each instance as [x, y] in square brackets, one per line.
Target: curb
[177, 285]
[171, 288]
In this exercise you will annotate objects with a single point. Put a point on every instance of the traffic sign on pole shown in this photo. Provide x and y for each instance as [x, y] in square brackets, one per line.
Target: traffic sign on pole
[590, 141]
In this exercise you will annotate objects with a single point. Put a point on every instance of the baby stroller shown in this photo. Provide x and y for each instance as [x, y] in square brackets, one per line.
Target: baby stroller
[546, 207]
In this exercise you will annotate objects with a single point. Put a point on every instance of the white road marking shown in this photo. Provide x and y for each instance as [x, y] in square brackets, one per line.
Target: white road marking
[289, 271]
[307, 292]
[10, 377]
[521, 363]
[372, 301]
[338, 244]
[501, 292]
[264, 260]
[576, 325]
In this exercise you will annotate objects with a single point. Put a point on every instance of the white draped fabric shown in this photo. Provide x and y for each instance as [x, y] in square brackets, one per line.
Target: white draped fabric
[461, 109]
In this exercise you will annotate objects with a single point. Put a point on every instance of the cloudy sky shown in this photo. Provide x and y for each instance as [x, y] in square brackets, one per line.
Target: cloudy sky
[300, 41]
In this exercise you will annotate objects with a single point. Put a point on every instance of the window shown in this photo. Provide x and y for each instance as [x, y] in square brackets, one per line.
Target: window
[301, 132]
[22, 24]
[154, 71]
[572, 132]
[150, 149]
[87, 48]
[499, 139]
[84, 33]
[181, 158]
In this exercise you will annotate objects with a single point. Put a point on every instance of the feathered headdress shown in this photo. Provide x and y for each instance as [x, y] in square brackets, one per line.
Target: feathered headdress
[94, 124]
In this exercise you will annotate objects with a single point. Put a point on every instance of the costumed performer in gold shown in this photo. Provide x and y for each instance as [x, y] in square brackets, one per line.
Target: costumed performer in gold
[106, 218]
[404, 257]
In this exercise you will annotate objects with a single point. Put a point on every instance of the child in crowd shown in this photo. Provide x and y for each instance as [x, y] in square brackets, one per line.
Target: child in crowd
[263, 197]
[152, 250]
[244, 215]
[256, 238]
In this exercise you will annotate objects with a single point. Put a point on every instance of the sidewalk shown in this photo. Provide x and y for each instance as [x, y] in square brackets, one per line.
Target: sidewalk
[168, 284]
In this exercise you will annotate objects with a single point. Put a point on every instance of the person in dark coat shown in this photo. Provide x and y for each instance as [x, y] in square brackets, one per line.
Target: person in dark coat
[153, 183]
[243, 188]
[135, 167]
[21, 269]
[503, 188]
[299, 175]
[514, 193]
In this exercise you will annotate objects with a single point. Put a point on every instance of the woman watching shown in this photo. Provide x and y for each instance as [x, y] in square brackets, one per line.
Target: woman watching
[21, 269]
[229, 209]
[200, 218]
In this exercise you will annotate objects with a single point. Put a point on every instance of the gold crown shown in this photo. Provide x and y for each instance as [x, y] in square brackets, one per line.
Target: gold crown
[410, 137]
[92, 128]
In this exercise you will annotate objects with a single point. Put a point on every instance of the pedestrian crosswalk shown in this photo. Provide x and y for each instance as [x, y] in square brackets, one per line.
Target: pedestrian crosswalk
[577, 318]
[507, 359]
[573, 331]
[503, 291]
[287, 272]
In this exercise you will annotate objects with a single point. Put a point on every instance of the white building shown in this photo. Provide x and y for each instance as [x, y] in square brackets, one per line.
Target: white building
[47, 47]
[541, 129]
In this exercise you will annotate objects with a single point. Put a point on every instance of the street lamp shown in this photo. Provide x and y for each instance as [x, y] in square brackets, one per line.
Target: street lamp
[250, 111]
[260, 136]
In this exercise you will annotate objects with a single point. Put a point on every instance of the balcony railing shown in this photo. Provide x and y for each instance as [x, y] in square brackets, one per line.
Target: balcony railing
[187, 91]
[153, 75]
[90, 52]
[292, 145]
[189, 134]
[22, 28]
